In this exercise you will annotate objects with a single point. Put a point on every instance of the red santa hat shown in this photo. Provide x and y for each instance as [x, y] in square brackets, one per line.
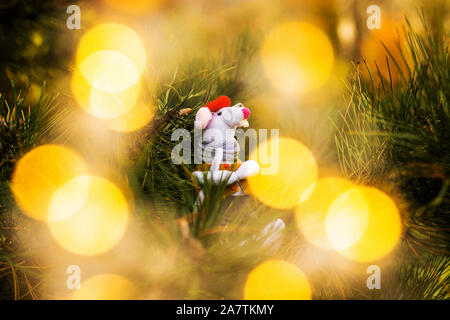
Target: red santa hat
[219, 103]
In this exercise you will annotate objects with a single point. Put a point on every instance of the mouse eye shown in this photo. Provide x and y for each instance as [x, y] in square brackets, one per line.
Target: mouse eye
[220, 113]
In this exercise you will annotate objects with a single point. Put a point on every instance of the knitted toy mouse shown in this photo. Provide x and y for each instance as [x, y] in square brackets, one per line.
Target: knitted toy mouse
[219, 121]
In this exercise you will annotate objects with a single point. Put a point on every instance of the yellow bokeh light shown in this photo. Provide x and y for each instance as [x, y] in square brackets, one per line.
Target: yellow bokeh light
[109, 71]
[106, 287]
[277, 280]
[297, 57]
[102, 104]
[109, 62]
[98, 225]
[113, 37]
[40, 173]
[296, 171]
[363, 224]
[133, 120]
[347, 218]
[311, 214]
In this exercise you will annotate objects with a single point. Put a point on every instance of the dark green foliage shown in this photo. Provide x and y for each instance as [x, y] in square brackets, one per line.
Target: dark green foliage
[425, 278]
[28, 42]
[23, 126]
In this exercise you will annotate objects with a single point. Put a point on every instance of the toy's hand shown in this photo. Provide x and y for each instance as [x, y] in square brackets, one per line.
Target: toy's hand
[216, 177]
[247, 169]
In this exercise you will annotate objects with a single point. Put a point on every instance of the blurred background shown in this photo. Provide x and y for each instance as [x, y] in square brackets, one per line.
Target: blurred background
[369, 105]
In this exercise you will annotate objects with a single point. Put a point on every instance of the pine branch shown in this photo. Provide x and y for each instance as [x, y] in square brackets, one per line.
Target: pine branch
[396, 135]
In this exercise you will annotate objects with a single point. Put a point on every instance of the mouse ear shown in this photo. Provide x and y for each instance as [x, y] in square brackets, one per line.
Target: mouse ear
[202, 118]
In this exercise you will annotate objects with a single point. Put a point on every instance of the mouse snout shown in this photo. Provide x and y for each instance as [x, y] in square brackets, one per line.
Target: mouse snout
[246, 112]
